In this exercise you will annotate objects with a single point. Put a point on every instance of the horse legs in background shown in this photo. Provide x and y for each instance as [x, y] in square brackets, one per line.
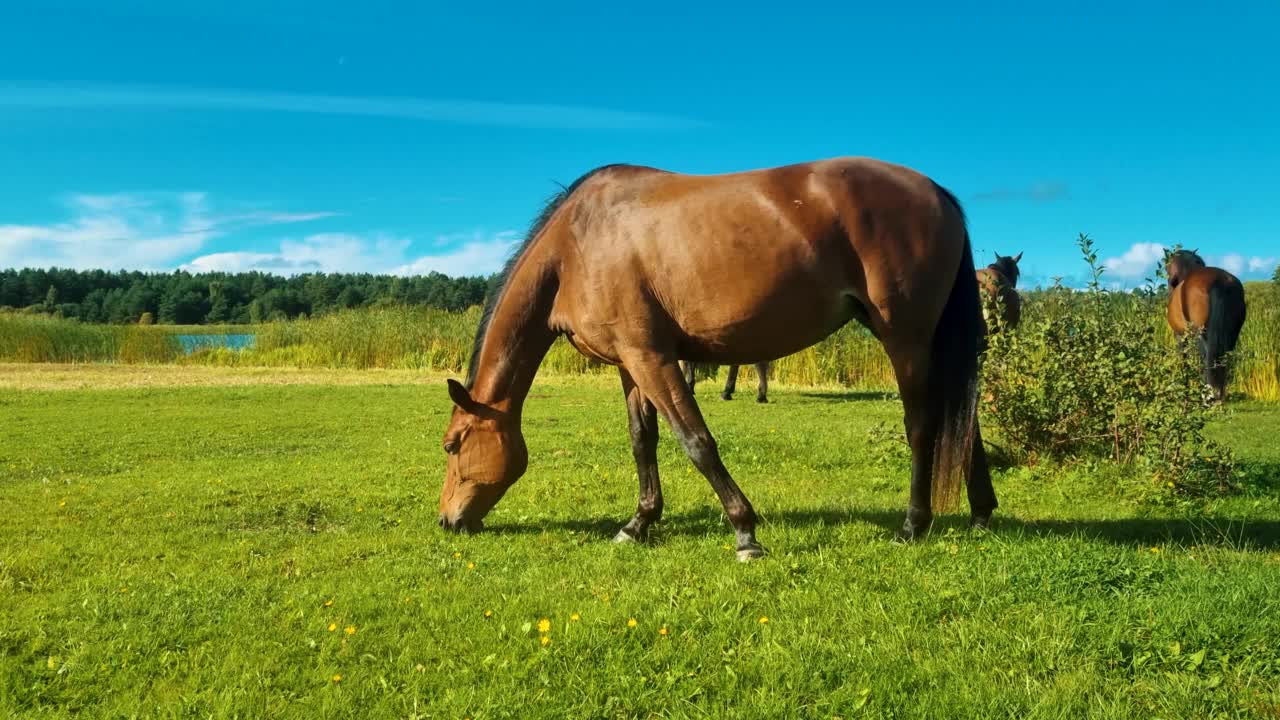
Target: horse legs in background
[762, 391]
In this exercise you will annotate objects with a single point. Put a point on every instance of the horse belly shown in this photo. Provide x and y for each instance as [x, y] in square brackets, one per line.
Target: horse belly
[763, 326]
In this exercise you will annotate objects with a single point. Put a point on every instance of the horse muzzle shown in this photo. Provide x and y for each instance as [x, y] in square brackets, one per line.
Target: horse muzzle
[459, 523]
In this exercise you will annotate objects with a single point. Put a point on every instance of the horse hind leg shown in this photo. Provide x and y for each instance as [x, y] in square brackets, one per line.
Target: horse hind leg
[919, 383]
[921, 418]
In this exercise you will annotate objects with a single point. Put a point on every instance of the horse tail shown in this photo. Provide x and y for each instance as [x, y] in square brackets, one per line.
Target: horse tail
[957, 341]
[1221, 332]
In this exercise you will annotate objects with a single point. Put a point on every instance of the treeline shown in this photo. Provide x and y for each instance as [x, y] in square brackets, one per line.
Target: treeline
[181, 298]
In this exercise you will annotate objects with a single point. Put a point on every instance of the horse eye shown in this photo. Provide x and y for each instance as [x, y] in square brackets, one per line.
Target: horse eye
[451, 445]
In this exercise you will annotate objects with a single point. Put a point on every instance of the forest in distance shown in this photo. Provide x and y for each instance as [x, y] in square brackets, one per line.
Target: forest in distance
[183, 298]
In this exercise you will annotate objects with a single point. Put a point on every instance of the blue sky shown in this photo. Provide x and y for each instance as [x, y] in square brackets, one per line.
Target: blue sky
[300, 136]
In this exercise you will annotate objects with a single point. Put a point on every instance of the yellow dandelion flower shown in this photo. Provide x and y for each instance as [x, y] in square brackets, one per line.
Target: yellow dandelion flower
[764, 619]
[663, 631]
[544, 625]
[62, 503]
[337, 678]
[359, 509]
[545, 641]
[457, 555]
[333, 626]
[631, 622]
[575, 617]
[1155, 549]
[53, 662]
[351, 630]
[328, 603]
[420, 667]
[488, 613]
[471, 566]
[1170, 483]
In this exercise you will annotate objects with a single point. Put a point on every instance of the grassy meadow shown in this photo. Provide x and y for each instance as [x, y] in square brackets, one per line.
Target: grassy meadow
[227, 542]
[437, 340]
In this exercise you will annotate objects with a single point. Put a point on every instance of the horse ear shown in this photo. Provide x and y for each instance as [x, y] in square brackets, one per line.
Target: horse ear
[993, 252]
[1017, 258]
[460, 396]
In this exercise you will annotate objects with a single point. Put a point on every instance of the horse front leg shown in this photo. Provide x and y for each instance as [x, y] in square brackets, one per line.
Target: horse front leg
[660, 380]
[642, 418]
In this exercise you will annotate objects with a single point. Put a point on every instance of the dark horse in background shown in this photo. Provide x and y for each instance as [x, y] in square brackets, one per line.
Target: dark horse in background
[635, 267]
[1211, 300]
[998, 283]
[730, 385]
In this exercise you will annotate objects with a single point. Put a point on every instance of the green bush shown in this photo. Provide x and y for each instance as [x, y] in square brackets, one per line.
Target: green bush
[1090, 375]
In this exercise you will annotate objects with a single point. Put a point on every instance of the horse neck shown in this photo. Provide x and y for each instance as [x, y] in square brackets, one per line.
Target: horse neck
[518, 335]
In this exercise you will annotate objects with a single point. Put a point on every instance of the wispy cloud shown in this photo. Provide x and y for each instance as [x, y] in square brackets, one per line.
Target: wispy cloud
[146, 231]
[1047, 191]
[465, 112]
[473, 254]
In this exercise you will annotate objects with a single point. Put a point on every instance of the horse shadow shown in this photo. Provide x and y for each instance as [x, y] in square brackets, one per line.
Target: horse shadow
[1236, 533]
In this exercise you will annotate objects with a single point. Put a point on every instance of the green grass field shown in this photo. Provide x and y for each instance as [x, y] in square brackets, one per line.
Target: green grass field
[208, 542]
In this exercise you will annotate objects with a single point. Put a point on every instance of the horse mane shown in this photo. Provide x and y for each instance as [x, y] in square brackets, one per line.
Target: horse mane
[549, 209]
[955, 202]
[1190, 255]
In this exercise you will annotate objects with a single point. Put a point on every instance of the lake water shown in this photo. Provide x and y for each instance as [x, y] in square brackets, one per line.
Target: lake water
[238, 341]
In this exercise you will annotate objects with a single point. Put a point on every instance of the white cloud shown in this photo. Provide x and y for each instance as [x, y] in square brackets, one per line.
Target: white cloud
[478, 254]
[1233, 263]
[1263, 264]
[1137, 262]
[478, 257]
[1141, 259]
[145, 231]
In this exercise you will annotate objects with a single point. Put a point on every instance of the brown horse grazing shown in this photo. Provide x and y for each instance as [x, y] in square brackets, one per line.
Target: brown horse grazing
[998, 282]
[730, 385]
[1211, 300]
[642, 268]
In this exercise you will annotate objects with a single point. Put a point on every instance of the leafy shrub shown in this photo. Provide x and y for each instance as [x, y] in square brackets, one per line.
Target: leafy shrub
[1091, 375]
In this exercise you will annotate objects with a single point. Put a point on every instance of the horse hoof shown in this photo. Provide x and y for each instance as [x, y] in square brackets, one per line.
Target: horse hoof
[749, 553]
[762, 400]
[979, 522]
[726, 396]
[625, 537]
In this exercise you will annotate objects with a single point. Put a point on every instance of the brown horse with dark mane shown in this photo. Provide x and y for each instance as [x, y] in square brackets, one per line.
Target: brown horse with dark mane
[998, 283]
[1211, 300]
[731, 384]
[642, 268]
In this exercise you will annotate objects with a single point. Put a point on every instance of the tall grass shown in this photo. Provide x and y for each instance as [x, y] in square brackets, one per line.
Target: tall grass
[39, 338]
[429, 339]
